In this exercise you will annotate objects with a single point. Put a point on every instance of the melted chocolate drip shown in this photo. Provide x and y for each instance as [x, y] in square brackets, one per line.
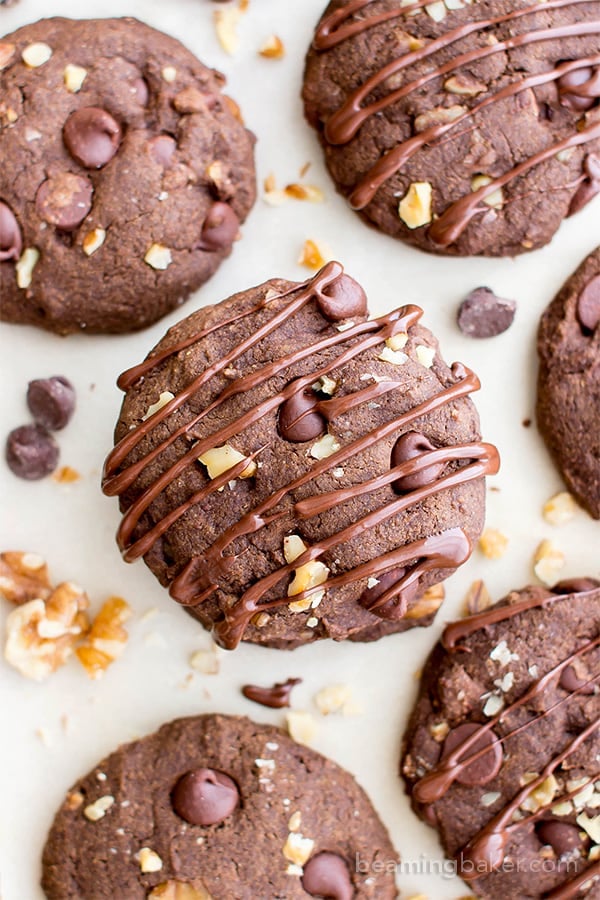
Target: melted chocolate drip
[276, 697]
[200, 578]
[578, 83]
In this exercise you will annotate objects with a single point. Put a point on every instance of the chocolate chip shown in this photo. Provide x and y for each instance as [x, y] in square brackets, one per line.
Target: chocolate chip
[11, 242]
[579, 89]
[51, 401]
[409, 446]
[588, 305]
[205, 797]
[563, 838]
[64, 200]
[483, 769]
[327, 875]
[342, 299]
[397, 606]
[139, 89]
[220, 228]
[92, 136]
[570, 681]
[162, 149]
[482, 314]
[298, 419]
[31, 452]
[590, 185]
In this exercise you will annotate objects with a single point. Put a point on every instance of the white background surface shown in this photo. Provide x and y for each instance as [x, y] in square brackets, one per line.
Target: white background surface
[73, 525]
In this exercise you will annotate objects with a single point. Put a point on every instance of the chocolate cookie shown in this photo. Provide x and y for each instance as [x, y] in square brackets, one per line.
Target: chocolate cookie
[461, 128]
[568, 398]
[292, 471]
[217, 808]
[501, 753]
[125, 174]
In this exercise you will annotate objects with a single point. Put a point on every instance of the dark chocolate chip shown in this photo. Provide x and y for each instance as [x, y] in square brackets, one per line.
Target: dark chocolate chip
[579, 89]
[298, 419]
[590, 185]
[409, 446]
[205, 797]
[139, 89]
[11, 242]
[162, 149]
[275, 697]
[397, 606]
[588, 305]
[92, 136]
[31, 452]
[487, 766]
[482, 314]
[327, 875]
[220, 228]
[342, 299]
[570, 681]
[51, 401]
[64, 200]
[563, 838]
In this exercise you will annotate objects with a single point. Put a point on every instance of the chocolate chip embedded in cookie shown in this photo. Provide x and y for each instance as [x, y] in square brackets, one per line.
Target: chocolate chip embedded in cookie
[217, 808]
[501, 752]
[125, 175]
[461, 128]
[292, 470]
[568, 393]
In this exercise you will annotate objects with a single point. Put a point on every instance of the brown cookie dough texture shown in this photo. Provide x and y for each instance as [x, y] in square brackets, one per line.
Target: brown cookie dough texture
[568, 398]
[294, 471]
[125, 174]
[217, 808]
[463, 128]
[501, 752]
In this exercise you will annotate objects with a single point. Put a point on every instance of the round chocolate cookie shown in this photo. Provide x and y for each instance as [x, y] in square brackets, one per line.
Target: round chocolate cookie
[461, 128]
[125, 174]
[501, 752]
[568, 397]
[217, 808]
[293, 471]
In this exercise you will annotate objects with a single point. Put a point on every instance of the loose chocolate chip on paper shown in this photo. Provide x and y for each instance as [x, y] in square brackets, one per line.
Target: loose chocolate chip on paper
[482, 314]
[51, 401]
[275, 697]
[31, 453]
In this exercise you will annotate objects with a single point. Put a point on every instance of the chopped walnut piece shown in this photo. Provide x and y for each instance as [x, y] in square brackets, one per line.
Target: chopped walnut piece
[560, 508]
[478, 598]
[106, 639]
[333, 698]
[415, 207]
[220, 459]
[97, 810]
[301, 726]
[272, 48]
[23, 577]
[298, 848]
[66, 475]
[493, 543]
[312, 256]
[226, 22]
[149, 860]
[309, 192]
[41, 634]
[547, 562]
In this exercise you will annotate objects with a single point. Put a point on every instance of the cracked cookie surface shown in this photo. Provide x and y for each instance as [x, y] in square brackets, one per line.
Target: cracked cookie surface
[217, 808]
[125, 174]
[462, 129]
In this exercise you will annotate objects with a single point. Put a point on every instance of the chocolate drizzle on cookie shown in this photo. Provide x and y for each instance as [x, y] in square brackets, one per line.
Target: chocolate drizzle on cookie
[422, 475]
[577, 81]
[480, 748]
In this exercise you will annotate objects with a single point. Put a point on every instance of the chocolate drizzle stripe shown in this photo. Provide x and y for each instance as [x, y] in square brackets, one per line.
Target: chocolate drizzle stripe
[327, 275]
[451, 224]
[456, 631]
[438, 780]
[394, 322]
[392, 161]
[343, 124]
[572, 887]
[446, 550]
